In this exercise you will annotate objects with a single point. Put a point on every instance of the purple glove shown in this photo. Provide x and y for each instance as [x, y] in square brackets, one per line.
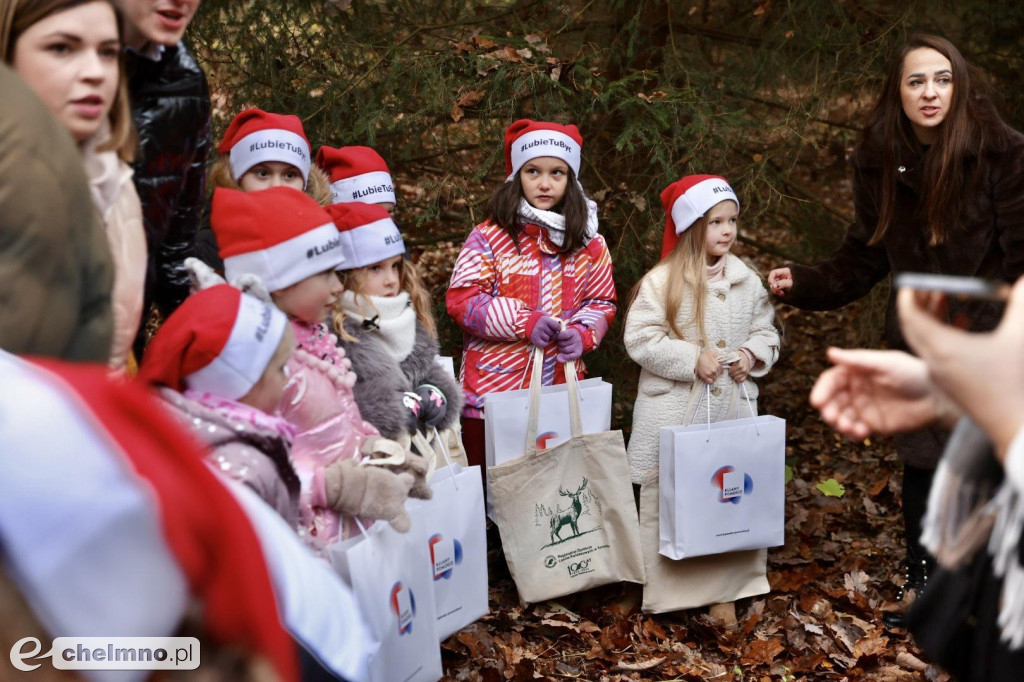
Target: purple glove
[544, 331]
[570, 344]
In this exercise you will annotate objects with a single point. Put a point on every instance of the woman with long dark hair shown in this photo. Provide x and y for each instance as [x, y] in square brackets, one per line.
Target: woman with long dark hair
[938, 187]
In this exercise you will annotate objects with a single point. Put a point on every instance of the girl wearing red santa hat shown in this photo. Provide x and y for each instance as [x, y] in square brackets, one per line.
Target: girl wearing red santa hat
[534, 274]
[699, 324]
[221, 362]
[284, 242]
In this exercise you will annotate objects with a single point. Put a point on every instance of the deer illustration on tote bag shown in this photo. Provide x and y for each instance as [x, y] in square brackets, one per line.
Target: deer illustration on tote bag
[571, 516]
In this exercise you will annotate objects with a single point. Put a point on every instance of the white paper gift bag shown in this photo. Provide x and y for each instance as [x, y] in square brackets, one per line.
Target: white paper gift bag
[722, 486]
[455, 536]
[389, 573]
[506, 415]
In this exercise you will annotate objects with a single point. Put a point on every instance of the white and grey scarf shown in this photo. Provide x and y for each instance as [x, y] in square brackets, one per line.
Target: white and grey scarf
[974, 507]
[554, 223]
[393, 318]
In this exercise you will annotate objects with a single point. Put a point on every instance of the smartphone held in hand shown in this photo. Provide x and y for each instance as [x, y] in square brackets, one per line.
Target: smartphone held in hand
[954, 286]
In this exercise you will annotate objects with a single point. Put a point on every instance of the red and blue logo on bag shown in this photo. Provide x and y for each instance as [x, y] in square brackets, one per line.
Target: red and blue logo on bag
[542, 439]
[732, 485]
[444, 556]
[403, 605]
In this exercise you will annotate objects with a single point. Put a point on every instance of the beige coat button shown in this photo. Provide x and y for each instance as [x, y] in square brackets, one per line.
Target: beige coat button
[721, 295]
[721, 343]
[716, 392]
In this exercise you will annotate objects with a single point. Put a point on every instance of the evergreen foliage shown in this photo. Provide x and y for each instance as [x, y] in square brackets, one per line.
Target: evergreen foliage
[769, 94]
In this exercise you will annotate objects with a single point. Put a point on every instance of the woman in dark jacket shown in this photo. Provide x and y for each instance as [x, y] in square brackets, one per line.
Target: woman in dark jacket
[171, 108]
[938, 184]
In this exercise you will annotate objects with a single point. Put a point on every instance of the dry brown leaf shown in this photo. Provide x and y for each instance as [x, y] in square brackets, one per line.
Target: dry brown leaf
[484, 43]
[470, 98]
[505, 54]
[762, 652]
[457, 113]
[639, 665]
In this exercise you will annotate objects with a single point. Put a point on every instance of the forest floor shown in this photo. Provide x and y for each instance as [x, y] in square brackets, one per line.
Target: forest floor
[821, 621]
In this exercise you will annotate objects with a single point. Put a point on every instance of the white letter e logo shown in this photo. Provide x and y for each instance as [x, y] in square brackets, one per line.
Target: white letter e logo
[17, 655]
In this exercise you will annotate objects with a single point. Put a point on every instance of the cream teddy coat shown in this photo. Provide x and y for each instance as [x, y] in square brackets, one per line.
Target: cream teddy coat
[737, 314]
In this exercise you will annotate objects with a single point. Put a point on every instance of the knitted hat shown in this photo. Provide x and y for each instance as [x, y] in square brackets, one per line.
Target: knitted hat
[357, 174]
[256, 136]
[526, 139]
[368, 234]
[280, 234]
[219, 341]
[686, 200]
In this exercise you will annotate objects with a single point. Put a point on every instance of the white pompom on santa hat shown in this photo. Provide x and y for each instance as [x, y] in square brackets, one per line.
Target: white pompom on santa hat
[686, 200]
[357, 174]
[368, 234]
[280, 234]
[256, 136]
[218, 341]
[526, 140]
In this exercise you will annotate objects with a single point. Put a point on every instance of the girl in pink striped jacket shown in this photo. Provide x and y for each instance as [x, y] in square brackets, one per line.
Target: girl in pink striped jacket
[535, 264]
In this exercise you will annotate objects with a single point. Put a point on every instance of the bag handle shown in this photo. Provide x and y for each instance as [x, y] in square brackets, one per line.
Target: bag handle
[707, 393]
[447, 459]
[575, 419]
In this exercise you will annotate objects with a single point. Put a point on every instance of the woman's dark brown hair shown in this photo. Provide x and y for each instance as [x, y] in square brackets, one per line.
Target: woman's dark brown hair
[16, 16]
[504, 210]
[950, 167]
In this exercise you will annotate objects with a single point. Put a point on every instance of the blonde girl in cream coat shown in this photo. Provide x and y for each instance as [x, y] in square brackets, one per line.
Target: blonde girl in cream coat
[700, 324]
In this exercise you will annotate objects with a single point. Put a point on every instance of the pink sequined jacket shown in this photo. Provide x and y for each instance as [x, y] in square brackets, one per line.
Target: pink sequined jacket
[244, 444]
[318, 401]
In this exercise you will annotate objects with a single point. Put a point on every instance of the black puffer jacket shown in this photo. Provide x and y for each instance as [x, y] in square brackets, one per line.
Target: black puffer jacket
[171, 108]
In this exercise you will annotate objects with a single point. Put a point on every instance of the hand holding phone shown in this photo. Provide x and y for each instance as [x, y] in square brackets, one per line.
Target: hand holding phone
[954, 286]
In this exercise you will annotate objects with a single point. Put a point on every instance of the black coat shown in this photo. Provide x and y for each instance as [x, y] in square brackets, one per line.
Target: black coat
[171, 107]
[988, 243]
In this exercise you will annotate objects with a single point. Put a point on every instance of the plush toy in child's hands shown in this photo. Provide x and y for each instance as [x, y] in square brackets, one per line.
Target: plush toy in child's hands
[369, 491]
[433, 405]
[414, 464]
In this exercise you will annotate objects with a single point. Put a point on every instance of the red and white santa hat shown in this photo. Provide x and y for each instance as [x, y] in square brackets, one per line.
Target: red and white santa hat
[256, 136]
[279, 234]
[356, 174]
[121, 480]
[368, 234]
[526, 139]
[686, 200]
[218, 341]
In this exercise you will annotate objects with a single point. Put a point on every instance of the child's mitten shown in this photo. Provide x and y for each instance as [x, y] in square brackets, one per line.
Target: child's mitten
[369, 491]
[433, 405]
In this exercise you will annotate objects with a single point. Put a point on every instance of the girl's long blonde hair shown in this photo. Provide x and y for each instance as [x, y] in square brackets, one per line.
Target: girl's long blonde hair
[410, 281]
[686, 275]
[318, 185]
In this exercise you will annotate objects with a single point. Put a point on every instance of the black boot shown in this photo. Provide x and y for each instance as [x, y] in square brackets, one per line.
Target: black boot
[918, 567]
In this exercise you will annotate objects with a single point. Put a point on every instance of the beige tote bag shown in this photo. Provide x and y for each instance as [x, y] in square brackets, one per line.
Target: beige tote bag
[673, 585]
[566, 514]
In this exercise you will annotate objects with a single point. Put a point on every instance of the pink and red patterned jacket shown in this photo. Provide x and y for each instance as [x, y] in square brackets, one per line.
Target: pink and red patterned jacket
[498, 293]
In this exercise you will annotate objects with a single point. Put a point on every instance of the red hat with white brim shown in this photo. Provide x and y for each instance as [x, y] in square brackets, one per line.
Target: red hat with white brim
[526, 140]
[356, 174]
[256, 136]
[218, 341]
[686, 200]
[368, 234]
[280, 234]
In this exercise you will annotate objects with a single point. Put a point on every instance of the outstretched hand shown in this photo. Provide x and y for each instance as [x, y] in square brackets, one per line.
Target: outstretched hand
[878, 391]
[983, 373]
